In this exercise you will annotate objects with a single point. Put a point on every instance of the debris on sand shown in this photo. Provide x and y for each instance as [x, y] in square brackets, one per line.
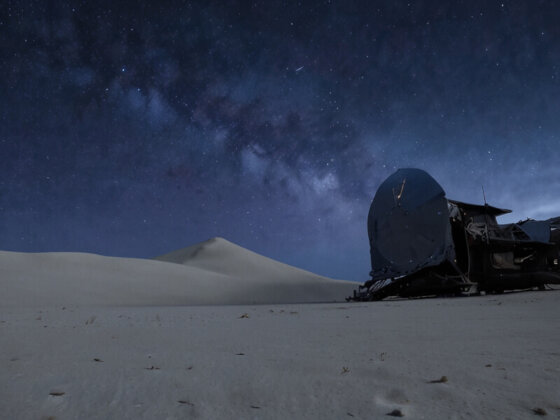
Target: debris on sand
[539, 411]
[441, 380]
[396, 413]
[185, 402]
[56, 393]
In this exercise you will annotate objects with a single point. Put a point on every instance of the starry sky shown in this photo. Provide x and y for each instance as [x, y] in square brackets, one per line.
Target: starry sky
[136, 128]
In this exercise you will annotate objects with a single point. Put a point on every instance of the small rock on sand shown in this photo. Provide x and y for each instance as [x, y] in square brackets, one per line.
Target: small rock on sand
[540, 411]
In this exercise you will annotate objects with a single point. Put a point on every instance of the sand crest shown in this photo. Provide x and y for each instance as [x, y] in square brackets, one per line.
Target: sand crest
[213, 272]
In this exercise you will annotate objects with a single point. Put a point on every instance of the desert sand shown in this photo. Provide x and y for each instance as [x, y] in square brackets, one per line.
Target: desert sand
[90, 337]
[215, 272]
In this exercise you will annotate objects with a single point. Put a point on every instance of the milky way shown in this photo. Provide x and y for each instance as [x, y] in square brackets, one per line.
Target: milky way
[135, 128]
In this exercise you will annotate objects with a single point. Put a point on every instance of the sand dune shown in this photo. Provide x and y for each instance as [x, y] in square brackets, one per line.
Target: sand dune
[221, 256]
[214, 272]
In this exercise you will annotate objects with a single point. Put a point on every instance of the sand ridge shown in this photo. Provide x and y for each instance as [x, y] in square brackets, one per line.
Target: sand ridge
[214, 272]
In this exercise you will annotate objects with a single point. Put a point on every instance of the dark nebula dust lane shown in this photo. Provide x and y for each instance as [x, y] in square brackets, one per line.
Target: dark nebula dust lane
[135, 128]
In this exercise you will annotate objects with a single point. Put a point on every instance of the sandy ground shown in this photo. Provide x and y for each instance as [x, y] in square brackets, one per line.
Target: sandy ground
[478, 357]
[500, 356]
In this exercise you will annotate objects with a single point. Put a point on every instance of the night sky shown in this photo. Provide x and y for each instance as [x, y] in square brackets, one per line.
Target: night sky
[136, 128]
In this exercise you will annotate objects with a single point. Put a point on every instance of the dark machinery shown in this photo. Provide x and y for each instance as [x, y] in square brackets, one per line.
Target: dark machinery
[423, 244]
